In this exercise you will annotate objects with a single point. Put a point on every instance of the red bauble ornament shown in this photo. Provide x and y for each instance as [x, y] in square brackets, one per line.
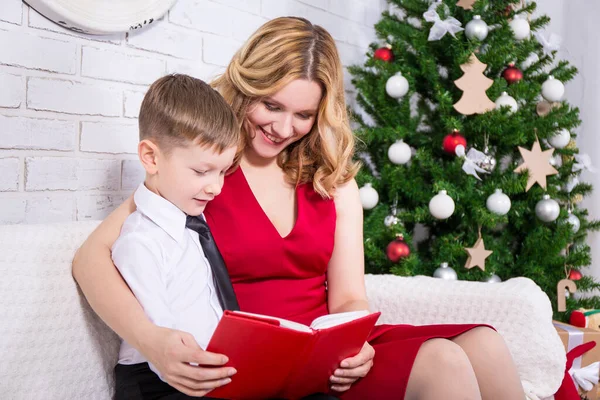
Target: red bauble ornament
[575, 275]
[512, 74]
[384, 54]
[397, 249]
[452, 140]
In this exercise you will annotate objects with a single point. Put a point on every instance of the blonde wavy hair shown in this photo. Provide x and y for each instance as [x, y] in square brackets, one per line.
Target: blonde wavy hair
[282, 50]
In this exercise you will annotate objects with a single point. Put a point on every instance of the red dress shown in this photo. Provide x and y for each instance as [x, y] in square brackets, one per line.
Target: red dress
[285, 277]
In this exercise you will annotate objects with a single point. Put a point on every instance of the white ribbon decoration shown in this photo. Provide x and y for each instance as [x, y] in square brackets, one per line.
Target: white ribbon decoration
[586, 377]
[473, 156]
[552, 43]
[450, 25]
[584, 162]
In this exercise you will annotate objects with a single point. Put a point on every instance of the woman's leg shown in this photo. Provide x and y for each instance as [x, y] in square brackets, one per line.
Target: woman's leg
[493, 364]
[442, 370]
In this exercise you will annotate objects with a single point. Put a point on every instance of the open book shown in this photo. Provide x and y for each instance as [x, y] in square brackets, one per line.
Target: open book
[277, 358]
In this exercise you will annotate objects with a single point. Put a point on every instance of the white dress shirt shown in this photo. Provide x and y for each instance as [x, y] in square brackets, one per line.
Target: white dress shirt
[163, 263]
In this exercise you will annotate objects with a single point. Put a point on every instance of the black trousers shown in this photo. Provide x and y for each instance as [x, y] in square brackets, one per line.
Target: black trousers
[138, 382]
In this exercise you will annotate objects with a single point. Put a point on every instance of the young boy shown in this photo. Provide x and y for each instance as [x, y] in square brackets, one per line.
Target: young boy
[188, 141]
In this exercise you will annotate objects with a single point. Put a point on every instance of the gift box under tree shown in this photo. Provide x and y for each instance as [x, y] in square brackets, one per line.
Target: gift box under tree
[583, 361]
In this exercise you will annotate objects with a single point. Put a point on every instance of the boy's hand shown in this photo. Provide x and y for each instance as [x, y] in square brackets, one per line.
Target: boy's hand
[172, 351]
[353, 368]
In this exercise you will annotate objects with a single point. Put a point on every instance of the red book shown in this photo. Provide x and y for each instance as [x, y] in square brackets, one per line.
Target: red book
[276, 358]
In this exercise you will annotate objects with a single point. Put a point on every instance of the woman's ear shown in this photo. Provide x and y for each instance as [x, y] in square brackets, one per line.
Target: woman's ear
[148, 153]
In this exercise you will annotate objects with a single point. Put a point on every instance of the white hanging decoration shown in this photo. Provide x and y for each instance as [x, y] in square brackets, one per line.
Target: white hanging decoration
[441, 206]
[399, 152]
[472, 159]
[571, 183]
[586, 377]
[583, 162]
[396, 86]
[506, 100]
[574, 221]
[520, 28]
[476, 29]
[498, 203]
[529, 61]
[560, 139]
[552, 43]
[445, 272]
[553, 89]
[440, 27]
[368, 196]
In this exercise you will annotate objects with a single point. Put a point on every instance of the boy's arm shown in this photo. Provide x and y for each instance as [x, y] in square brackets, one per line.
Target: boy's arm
[139, 262]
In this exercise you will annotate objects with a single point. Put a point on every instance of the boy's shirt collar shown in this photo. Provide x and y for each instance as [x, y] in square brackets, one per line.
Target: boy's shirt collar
[162, 212]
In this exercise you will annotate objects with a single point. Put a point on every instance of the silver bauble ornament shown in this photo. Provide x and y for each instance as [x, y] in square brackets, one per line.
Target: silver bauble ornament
[441, 206]
[493, 279]
[368, 196]
[391, 220]
[476, 28]
[574, 221]
[547, 209]
[488, 163]
[445, 272]
[396, 86]
[399, 152]
[553, 89]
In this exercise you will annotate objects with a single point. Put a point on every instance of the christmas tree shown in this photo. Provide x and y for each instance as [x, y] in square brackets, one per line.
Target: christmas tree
[470, 163]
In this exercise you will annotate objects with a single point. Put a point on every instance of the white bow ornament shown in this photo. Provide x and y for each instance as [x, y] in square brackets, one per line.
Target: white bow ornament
[586, 377]
[472, 157]
[440, 27]
[583, 162]
[552, 43]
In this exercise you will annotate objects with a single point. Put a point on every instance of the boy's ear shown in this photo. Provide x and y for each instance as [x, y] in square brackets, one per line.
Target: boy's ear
[149, 153]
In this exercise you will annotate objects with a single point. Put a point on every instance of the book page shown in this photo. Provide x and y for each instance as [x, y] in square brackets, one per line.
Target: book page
[283, 322]
[327, 321]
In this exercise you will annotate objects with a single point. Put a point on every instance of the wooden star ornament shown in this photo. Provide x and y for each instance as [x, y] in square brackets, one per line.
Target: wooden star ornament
[477, 255]
[466, 4]
[537, 162]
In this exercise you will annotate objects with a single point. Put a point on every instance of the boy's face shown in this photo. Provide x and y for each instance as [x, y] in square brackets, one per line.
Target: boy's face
[191, 176]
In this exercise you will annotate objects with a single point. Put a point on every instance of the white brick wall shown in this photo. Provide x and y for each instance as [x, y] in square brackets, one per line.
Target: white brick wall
[69, 101]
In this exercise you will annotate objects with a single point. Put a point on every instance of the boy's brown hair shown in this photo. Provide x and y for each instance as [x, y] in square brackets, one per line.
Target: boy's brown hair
[179, 109]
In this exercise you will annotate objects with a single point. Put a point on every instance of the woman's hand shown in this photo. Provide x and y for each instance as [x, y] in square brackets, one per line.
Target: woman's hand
[172, 351]
[352, 369]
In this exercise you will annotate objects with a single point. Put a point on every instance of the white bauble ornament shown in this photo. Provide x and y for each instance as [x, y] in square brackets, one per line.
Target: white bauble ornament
[441, 206]
[574, 221]
[445, 272]
[506, 100]
[476, 28]
[498, 203]
[493, 279]
[560, 139]
[396, 86]
[547, 209]
[368, 196]
[553, 89]
[520, 28]
[399, 153]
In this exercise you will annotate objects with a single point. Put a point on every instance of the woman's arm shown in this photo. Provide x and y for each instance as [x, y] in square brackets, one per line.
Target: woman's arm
[345, 273]
[169, 350]
[346, 279]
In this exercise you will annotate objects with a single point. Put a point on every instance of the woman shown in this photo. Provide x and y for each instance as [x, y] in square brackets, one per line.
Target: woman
[289, 226]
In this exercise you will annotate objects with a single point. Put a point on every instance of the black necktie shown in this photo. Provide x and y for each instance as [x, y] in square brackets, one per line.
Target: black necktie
[221, 277]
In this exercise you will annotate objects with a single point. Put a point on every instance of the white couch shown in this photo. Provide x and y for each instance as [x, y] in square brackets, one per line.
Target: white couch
[53, 346]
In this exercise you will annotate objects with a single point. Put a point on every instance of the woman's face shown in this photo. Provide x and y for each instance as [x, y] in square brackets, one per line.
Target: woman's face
[283, 118]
